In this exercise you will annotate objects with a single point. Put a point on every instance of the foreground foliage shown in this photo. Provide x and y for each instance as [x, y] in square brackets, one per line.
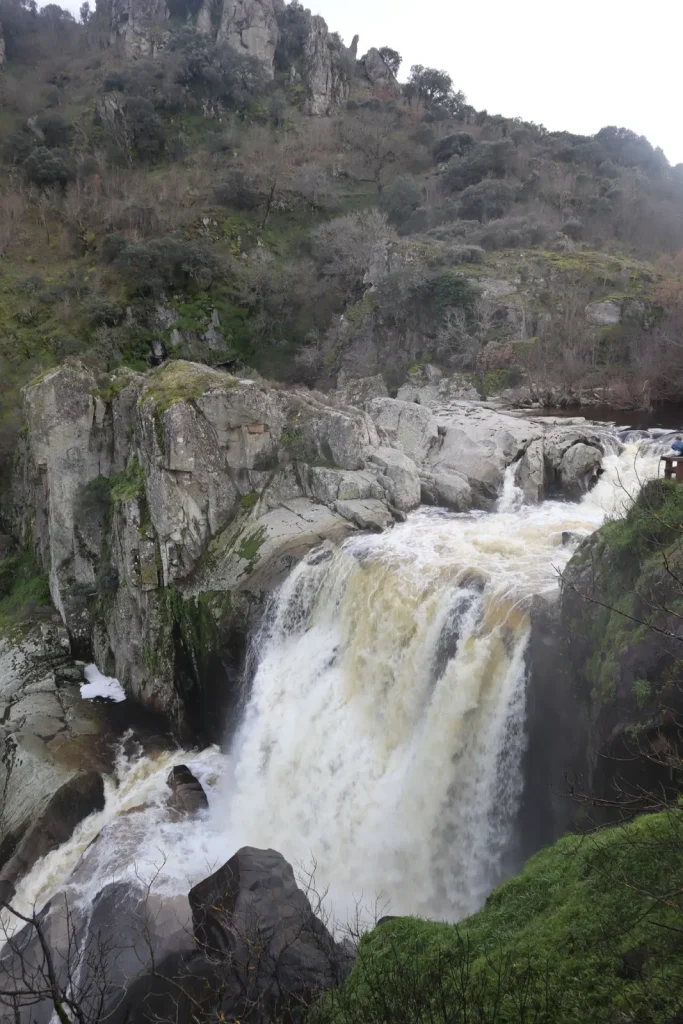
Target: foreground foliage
[591, 930]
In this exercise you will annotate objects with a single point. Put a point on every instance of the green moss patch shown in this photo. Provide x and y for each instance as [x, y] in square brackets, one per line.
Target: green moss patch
[179, 381]
[129, 484]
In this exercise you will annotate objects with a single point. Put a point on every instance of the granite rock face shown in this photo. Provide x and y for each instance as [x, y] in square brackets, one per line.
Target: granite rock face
[249, 26]
[144, 493]
[139, 25]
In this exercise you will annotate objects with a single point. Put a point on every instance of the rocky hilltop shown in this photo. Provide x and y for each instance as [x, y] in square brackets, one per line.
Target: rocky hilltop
[258, 29]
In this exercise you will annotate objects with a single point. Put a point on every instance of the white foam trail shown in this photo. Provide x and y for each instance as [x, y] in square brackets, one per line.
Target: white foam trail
[385, 727]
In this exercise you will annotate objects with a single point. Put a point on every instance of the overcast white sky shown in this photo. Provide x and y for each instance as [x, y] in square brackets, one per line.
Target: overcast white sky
[576, 66]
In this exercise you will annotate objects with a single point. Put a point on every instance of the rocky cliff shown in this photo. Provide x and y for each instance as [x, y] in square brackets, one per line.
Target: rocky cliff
[165, 506]
[250, 27]
[608, 653]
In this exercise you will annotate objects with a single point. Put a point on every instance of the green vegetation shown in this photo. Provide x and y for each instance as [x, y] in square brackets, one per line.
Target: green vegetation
[653, 522]
[589, 931]
[249, 545]
[23, 587]
[178, 381]
[129, 484]
[248, 501]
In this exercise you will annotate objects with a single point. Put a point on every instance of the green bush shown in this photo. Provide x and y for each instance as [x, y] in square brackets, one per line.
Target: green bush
[653, 522]
[457, 144]
[45, 167]
[400, 198]
[590, 931]
[453, 290]
[149, 268]
[487, 159]
[487, 200]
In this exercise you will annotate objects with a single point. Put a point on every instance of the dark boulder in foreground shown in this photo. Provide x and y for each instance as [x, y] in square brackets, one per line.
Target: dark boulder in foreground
[260, 951]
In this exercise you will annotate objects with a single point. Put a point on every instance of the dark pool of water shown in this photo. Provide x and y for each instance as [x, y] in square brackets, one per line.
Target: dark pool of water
[669, 415]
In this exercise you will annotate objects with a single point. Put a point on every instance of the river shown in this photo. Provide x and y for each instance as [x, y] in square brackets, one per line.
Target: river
[383, 735]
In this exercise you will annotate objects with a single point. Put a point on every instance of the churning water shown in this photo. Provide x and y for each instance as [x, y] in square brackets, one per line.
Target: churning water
[385, 728]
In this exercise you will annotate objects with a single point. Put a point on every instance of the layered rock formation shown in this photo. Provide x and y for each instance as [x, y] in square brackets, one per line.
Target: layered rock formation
[166, 506]
[327, 80]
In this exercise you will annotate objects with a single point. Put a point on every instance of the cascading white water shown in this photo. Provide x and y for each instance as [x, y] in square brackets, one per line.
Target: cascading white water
[385, 727]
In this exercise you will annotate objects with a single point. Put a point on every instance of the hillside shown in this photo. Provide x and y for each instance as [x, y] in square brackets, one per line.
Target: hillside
[231, 184]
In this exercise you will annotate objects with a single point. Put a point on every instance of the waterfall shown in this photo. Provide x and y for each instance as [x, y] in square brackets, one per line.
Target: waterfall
[384, 730]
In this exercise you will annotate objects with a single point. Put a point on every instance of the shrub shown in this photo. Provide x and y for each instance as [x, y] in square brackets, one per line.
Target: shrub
[453, 290]
[239, 190]
[392, 58]
[346, 247]
[45, 167]
[400, 198]
[172, 262]
[487, 199]
[489, 158]
[573, 228]
[458, 144]
[145, 128]
[56, 131]
[103, 312]
[456, 254]
[294, 24]
[513, 233]
[217, 71]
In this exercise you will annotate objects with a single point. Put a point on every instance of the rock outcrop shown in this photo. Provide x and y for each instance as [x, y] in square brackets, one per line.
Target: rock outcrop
[139, 25]
[566, 460]
[249, 26]
[166, 506]
[143, 494]
[378, 72]
[54, 745]
[327, 79]
[244, 944]
[2, 46]
[74, 800]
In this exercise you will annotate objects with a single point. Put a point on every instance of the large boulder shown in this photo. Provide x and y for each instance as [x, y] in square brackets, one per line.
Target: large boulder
[478, 444]
[252, 914]
[404, 425]
[74, 800]
[378, 72]
[398, 477]
[580, 468]
[187, 794]
[259, 952]
[531, 474]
